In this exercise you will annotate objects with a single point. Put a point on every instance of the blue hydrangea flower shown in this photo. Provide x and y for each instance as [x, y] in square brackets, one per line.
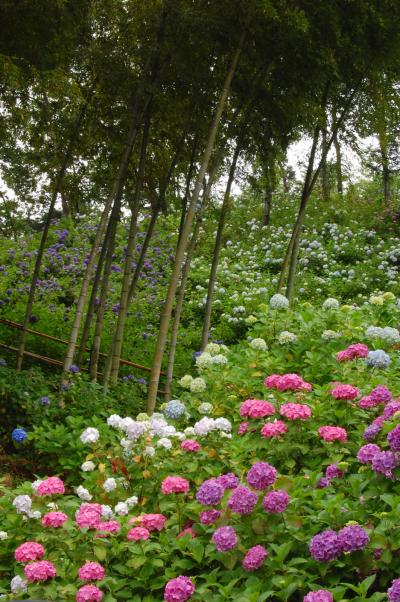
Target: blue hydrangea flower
[174, 409]
[19, 435]
[378, 359]
[45, 401]
[3, 362]
[74, 369]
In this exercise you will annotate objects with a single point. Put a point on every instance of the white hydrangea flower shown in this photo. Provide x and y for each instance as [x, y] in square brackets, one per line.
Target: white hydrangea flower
[287, 337]
[204, 426]
[258, 345]
[3, 535]
[18, 585]
[331, 303]
[126, 444]
[22, 503]
[330, 335]
[106, 512]
[149, 451]
[185, 381]
[83, 494]
[135, 430]
[164, 442]
[115, 421]
[35, 485]
[376, 300]
[219, 360]
[198, 385]
[158, 426]
[391, 335]
[222, 424]
[204, 408]
[88, 466]
[52, 506]
[212, 348]
[251, 320]
[90, 435]
[109, 485]
[35, 514]
[121, 509]
[132, 501]
[203, 360]
[279, 301]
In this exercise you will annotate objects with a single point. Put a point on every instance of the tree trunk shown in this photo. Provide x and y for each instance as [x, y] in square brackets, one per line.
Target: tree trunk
[217, 248]
[267, 203]
[324, 168]
[385, 168]
[187, 188]
[338, 162]
[169, 301]
[143, 251]
[39, 257]
[109, 242]
[112, 364]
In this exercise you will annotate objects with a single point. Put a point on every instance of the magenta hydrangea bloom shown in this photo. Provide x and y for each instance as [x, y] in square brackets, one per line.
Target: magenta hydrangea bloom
[367, 402]
[51, 486]
[371, 432]
[273, 429]
[174, 485]
[209, 517]
[110, 526]
[321, 595]
[393, 592]
[381, 394]
[40, 571]
[210, 492]
[89, 593]
[242, 500]
[256, 408]
[153, 522]
[323, 483]
[332, 433]
[325, 546]
[225, 539]
[89, 516]
[138, 534]
[190, 445]
[352, 352]
[179, 589]
[391, 409]
[91, 571]
[286, 382]
[254, 558]
[295, 411]
[353, 538]
[30, 550]
[261, 475]
[243, 428]
[54, 519]
[333, 472]
[228, 480]
[276, 502]
[383, 462]
[394, 439]
[367, 452]
[345, 392]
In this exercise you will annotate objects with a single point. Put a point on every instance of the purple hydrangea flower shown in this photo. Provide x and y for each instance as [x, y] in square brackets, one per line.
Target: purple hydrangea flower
[225, 539]
[394, 438]
[74, 369]
[393, 592]
[276, 502]
[353, 538]
[333, 472]
[228, 480]
[371, 432]
[367, 452]
[242, 500]
[323, 482]
[261, 475]
[208, 517]
[321, 595]
[391, 409]
[381, 394]
[325, 546]
[383, 462]
[254, 558]
[210, 492]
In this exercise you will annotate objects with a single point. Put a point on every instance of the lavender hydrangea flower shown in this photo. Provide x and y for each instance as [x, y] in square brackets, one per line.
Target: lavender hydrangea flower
[394, 438]
[393, 592]
[321, 595]
[367, 452]
[325, 546]
[333, 472]
[254, 558]
[371, 432]
[228, 480]
[383, 462]
[261, 475]
[210, 493]
[353, 538]
[323, 483]
[242, 500]
[174, 409]
[381, 394]
[391, 409]
[276, 502]
[225, 539]
[378, 359]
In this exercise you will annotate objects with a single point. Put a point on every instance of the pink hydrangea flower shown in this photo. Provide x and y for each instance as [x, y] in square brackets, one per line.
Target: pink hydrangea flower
[187, 531]
[89, 516]
[285, 382]
[30, 550]
[332, 433]
[137, 534]
[40, 571]
[345, 392]
[54, 519]
[190, 445]
[243, 428]
[110, 526]
[153, 522]
[51, 486]
[256, 408]
[209, 517]
[254, 558]
[174, 485]
[272, 380]
[273, 429]
[179, 589]
[89, 593]
[295, 411]
[367, 402]
[321, 595]
[352, 352]
[91, 571]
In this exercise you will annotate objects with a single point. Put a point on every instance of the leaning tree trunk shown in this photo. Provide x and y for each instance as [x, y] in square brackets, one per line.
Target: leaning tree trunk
[169, 301]
[43, 240]
[324, 168]
[217, 248]
[187, 188]
[112, 364]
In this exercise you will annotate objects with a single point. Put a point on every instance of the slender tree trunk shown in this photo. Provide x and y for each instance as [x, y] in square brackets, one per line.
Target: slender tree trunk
[187, 189]
[267, 202]
[143, 251]
[169, 301]
[111, 371]
[338, 162]
[109, 242]
[217, 248]
[39, 257]
[324, 168]
[385, 168]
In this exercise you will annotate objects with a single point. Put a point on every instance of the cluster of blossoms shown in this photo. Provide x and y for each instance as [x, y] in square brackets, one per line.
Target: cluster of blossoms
[329, 545]
[352, 352]
[256, 408]
[332, 472]
[279, 302]
[287, 382]
[321, 595]
[345, 392]
[378, 395]
[331, 303]
[332, 433]
[179, 589]
[378, 359]
[286, 337]
[295, 411]
[258, 344]
[388, 334]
